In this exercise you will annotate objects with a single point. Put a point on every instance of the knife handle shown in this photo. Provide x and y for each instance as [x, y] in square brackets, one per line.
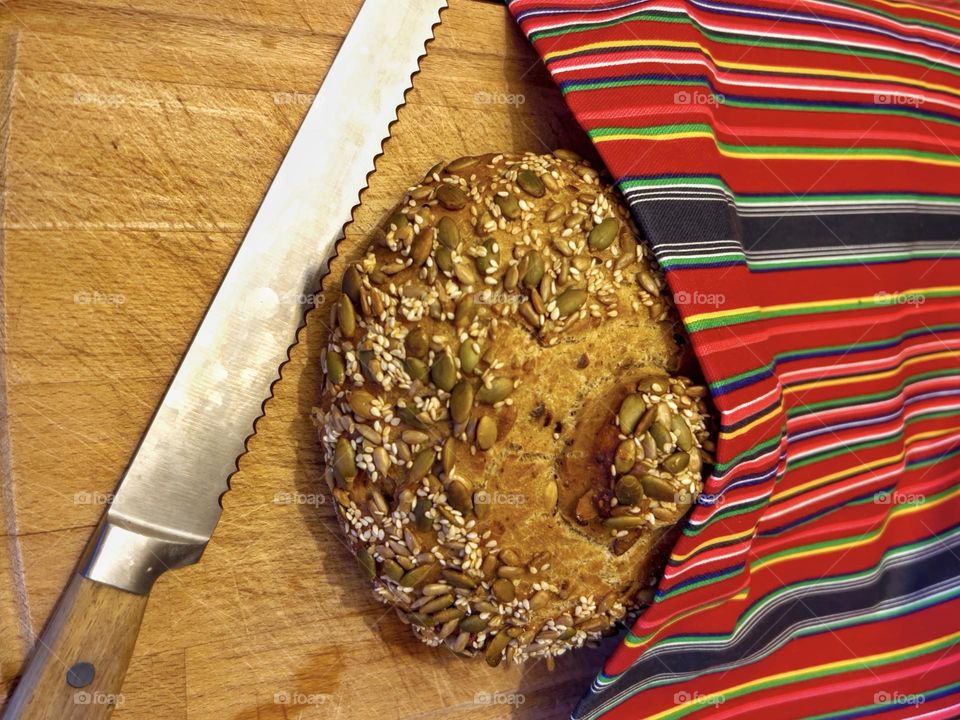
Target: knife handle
[93, 627]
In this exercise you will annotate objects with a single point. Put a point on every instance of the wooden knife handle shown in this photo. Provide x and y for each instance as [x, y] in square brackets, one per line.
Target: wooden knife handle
[77, 668]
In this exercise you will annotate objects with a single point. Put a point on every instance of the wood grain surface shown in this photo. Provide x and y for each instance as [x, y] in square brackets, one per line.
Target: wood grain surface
[137, 139]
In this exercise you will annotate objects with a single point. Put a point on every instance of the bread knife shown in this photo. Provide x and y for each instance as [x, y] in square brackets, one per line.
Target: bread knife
[168, 500]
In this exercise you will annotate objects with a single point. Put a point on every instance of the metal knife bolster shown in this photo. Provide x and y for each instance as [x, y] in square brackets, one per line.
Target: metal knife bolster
[132, 560]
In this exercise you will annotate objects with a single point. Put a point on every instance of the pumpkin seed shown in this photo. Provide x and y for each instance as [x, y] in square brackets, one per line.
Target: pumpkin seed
[460, 164]
[381, 460]
[351, 284]
[448, 454]
[459, 497]
[631, 409]
[466, 311]
[448, 615]
[451, 197]
[535, 269]
[336, 370]
[367, 563]
[424, 523]
[461, 401]
[624, 522]
[660, 435]
[499, 389]
[629, 490]
[346, 317]
[440, 603]
[410, 417]
[680, 428]
[469, 356]
[508, 205]
[466, 274]
[422, 245]
[416, 369]
[459, 579]
[398, 220]
[392, 570]
[511, 278]
[676, 463]
[570, 300]
[344, 460]
[646, 420]
[444, 372]
[444, 256]
[550, 496]
[418, 619]
[473, 624]
[486, 433]
[361, 402]
[586, 510]
[421, 465]
[657, 489]
[603, 234]
[625, 457]
[555, 212]
[367, 364]
[511, 572]
[414, 437]
[568, 155]
[417, 576]
[530, 183]
[448, 233]
[487, 262]
[494, 653]
[648, 283]
[417, 343]
[504, 590]
[509, 556]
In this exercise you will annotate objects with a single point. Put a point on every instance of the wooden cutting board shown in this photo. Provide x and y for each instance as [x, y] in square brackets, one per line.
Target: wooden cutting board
[138, 138]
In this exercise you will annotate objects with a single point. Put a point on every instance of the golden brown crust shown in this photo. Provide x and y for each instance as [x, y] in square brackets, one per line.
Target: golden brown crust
[506, 437]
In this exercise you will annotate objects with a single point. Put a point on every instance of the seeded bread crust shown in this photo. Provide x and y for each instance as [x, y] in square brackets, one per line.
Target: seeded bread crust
[507, 435]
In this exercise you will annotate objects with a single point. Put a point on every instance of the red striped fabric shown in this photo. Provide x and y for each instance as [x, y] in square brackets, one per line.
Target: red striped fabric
[795, 168]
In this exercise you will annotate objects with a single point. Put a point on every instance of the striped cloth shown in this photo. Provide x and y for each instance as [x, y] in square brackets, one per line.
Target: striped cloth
[794, 166]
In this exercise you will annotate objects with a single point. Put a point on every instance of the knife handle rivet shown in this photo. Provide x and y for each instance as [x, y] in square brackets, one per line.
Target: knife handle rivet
[81, 674]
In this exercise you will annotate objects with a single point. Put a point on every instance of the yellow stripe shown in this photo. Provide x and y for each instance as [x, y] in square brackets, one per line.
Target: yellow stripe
[851, 471]
[869, 300]
[919, 8]
[781, 69]
[870, 376]
[714, 541]
[749, 426]
[837, 156]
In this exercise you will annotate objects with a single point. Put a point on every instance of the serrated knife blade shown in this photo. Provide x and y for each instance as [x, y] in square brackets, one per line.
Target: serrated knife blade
[168, 502]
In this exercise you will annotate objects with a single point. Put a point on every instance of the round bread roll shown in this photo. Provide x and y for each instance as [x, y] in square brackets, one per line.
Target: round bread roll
[507, 437]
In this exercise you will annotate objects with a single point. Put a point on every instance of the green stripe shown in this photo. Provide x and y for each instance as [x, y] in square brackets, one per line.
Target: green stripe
[751, 315]
[894, 703]
[800, 150]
